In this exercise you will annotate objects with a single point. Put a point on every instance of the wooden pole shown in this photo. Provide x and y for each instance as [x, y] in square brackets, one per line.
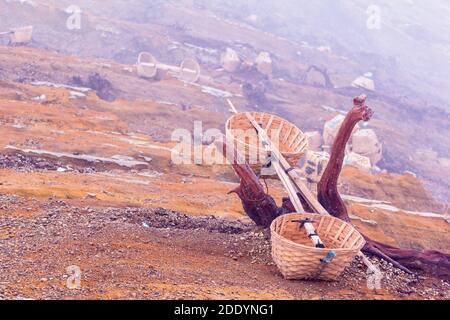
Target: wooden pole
[281, 172]
[297, 182]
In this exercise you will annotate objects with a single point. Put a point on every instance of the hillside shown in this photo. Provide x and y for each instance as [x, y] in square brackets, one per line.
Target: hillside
[87, 176]
[177, 30]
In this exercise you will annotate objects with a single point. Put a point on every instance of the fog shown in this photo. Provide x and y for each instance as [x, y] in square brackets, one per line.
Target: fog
[409, 40]
[404, 43]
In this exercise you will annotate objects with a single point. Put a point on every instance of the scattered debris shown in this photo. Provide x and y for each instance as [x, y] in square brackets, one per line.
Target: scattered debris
[76, 95]
[101, 85]
[358, 161]
[19, 35]
[370, 222]
[230, 60]
[122, 161]
[40, 98]
[58, 85]
[216, 92]
[264, 63]
[324, 49]
[364, 82]
[104, 65]
[410, 173]
[365, 142]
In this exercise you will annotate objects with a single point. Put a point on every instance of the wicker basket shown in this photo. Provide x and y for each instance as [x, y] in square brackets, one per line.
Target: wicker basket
[292, 141]
[295, 255]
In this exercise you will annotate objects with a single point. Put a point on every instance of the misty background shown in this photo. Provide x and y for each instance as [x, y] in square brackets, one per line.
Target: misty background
[409, 53]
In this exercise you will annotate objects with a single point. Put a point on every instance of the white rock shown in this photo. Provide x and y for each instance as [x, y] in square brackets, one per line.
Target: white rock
[369, 222]
[358, 161]
[230, 60]
[264, 63]
[21, 35]
[252, 18]
[364, 82]
[40, 98]
[365, 142]
[325, 49]
[76, 95]
[314, 140]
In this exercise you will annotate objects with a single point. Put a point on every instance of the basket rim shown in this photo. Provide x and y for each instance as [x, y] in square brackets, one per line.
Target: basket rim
[288, 153]
[301, 246]
[258, 112]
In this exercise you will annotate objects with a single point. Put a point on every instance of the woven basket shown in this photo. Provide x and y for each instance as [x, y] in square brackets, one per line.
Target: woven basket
[292, 142]
[295, 256]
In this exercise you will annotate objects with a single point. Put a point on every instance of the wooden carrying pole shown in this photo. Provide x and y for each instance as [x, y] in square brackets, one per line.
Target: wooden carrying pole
[281, 172]
[283, 166]
[301, 187]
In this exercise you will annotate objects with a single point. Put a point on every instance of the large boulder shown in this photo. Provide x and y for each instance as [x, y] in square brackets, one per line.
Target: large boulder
[365, 142]
[314, 140]
[230, 60]
[264, 63]
[21, 35]
[364, 82]
[314, 166]
[358, 161]
[331, 129]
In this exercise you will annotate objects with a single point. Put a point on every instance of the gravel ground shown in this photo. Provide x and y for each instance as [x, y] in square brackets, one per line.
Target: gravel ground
[40, 238]
[25, 163]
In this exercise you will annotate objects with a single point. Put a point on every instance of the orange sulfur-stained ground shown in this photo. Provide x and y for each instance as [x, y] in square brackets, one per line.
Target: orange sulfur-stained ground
[91, 184]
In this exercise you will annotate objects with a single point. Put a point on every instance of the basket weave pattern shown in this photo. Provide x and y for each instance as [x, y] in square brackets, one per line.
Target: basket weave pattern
[295, 256]
[292, 142]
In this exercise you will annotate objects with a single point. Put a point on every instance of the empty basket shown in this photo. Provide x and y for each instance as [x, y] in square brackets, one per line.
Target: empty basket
[295, 256]
[289, 139]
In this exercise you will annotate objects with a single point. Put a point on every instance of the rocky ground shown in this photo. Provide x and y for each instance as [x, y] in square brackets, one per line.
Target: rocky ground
[130, 252]
[79, 187]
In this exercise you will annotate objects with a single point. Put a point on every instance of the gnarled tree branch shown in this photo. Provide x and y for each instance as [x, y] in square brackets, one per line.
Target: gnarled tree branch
[432, 262]
[262, 209]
